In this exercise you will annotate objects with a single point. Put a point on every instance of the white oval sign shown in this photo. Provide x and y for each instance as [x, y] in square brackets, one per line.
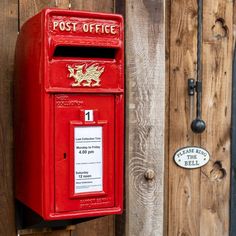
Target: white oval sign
[191, 157]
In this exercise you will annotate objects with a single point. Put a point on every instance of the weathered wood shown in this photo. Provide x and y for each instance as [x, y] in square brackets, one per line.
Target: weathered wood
[167, 108]
[54, 233]
[93, 5]
[28, 8]
[217, 86]
[233, 140]
[199, 199]
[183, 217]
[8, 34]
[103, 226]
[233, 153]
[145, 83]
[44, 231]
[120, 7]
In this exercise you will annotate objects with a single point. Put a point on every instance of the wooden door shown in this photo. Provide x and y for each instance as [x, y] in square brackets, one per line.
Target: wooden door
[198, 199]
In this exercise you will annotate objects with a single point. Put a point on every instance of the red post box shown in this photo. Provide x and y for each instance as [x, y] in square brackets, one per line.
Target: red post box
[69, 114]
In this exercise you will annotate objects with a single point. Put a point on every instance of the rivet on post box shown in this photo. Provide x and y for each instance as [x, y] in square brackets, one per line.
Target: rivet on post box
[69, 114]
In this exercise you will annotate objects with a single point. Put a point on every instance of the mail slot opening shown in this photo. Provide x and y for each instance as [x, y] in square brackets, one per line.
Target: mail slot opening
[84, 52]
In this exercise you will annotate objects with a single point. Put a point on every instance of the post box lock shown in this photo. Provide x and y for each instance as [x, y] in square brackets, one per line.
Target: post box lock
[69, 114]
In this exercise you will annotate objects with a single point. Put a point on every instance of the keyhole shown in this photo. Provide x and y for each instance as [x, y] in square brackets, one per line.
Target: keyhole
[64, 155]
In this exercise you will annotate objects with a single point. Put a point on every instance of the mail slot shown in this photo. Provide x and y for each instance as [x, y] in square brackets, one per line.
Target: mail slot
[69, 114]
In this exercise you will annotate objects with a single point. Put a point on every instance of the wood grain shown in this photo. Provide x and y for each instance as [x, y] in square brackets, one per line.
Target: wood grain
[145, 76]
[45, 232]
[167, 114]
[103, 226]
[184, 185]
[28, 8]
[54, 233]
[93, 5]
[217, 84]
[199, 199]
[8, 34]
[233, 137]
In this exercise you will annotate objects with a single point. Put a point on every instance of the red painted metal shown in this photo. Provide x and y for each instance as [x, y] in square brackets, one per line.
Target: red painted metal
[68, 62]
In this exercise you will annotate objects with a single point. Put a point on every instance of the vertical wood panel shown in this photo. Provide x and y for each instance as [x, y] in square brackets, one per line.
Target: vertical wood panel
[8, 34]
[167, 108]
[217, 86]
[120, 7]
[199, 199]
[184, 185]
[28, 8]
[93, 5]
[233, 138]
[103, 226]
[183, 218]
[46, 231]
[145, 102]
[53, 233]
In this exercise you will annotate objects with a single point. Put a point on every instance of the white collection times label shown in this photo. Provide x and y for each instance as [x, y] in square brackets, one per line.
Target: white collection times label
[88, 159]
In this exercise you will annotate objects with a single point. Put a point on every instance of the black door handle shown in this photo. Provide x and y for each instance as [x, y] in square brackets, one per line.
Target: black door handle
[198, 125]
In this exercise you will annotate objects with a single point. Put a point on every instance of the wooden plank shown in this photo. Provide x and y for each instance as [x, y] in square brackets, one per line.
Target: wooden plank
[8, 34]
[93, 5]
[184, 185]
[217, 86]
[199, 199]
[233, 153]
[44, 232]
[28, 8]
[120, 7]
[145, 102]
[103, 226]
[167, 109]
[233, 140]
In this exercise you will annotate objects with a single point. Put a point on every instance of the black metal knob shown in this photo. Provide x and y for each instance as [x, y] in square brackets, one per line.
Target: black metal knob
[198, 125]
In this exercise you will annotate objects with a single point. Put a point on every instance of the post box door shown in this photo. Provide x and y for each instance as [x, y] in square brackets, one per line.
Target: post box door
[84, 151]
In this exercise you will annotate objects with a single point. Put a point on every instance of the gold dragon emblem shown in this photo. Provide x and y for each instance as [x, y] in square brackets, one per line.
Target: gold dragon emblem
[86, 76]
